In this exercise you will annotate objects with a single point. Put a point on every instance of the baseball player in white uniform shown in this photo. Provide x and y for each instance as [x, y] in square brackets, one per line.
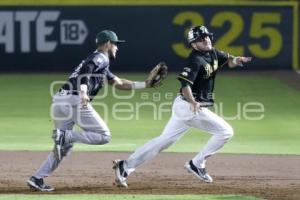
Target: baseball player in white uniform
[190, 109]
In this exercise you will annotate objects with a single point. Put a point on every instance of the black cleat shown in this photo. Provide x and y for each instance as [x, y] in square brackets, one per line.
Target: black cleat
[199, 172]
[38, 184]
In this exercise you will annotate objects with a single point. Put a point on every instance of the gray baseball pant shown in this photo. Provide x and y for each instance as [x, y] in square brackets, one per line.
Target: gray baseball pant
[66, 111]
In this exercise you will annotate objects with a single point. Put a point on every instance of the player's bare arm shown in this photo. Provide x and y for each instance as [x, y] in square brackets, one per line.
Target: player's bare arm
[188, 95]
[155, 78]
[124, 84]
[83, 95]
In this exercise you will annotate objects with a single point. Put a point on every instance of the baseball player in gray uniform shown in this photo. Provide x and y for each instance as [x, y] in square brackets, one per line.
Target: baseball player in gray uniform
[190, 109]
[71, 105]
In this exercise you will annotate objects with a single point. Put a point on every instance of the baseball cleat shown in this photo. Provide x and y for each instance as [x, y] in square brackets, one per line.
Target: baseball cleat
[199, 172]
[121, 174]
[38, 184]
[59, 140]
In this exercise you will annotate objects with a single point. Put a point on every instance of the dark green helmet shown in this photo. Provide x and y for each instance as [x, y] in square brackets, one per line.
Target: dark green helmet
[107, 35]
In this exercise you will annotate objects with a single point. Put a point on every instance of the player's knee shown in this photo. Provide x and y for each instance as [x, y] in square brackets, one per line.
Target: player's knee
[228, 133]
[106, 132]
[104, 137]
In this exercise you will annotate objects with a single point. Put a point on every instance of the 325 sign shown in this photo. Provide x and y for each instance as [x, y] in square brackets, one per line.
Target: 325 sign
[261, 26]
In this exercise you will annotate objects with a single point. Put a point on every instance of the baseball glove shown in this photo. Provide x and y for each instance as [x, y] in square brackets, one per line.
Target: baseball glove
[157, 75]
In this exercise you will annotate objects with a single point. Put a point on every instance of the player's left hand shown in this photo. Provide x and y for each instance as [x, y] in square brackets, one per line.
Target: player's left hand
[157, 75]
[241, 60]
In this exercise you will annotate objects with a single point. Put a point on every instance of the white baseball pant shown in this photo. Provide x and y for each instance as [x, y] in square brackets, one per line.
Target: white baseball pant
[181, 120]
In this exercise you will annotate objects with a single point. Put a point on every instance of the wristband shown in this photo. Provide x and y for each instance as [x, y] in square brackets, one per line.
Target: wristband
[234, 60]
[83, 88]
[138, 85]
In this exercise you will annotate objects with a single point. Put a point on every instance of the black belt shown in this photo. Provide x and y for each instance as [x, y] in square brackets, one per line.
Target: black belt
[68, 92]
[203, 104]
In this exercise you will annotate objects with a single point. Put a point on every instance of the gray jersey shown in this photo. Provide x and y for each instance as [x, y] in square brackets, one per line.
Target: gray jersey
[92, 71]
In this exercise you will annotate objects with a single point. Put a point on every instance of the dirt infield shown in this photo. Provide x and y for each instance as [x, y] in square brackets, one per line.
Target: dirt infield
[267, 176]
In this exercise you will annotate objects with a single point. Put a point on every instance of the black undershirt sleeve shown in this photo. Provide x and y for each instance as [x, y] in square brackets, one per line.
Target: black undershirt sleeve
[184, 83]
[189, 73]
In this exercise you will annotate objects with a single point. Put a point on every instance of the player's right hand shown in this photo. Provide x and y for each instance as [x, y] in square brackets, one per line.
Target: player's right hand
[195, 107]
[84, 98]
